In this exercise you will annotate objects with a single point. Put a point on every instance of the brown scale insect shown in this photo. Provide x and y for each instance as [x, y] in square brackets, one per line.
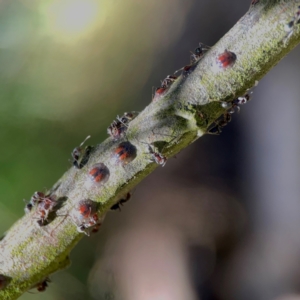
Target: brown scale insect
[85, 216]
[99, 174]
[124, 153]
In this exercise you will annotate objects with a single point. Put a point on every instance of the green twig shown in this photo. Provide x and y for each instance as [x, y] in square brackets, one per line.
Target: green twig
[267, 32]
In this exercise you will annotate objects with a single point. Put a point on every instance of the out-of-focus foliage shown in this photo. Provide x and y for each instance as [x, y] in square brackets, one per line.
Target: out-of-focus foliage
[218, 222]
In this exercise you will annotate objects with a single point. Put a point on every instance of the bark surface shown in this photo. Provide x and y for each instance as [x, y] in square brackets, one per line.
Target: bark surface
[260, 39]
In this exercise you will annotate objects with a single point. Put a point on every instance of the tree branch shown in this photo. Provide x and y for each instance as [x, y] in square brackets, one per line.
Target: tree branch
[34, 248]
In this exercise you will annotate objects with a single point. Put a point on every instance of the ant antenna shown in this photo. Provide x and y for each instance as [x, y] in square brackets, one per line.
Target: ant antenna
[85, 140]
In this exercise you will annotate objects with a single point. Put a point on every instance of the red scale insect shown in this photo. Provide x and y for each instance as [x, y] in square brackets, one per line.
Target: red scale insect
[226, 59]
[99, 173]
[86, 216]
[124, 153]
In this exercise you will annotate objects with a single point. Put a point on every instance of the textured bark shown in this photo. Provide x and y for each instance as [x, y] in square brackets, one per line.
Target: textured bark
[261, 38]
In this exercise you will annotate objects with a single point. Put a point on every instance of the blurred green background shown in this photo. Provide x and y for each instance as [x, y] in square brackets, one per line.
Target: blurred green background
[218, 222]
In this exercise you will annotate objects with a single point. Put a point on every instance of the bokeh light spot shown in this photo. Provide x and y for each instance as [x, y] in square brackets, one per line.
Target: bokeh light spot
[71, 18]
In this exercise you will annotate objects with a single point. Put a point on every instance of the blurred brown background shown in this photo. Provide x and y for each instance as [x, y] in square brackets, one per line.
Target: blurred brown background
[220, 221]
